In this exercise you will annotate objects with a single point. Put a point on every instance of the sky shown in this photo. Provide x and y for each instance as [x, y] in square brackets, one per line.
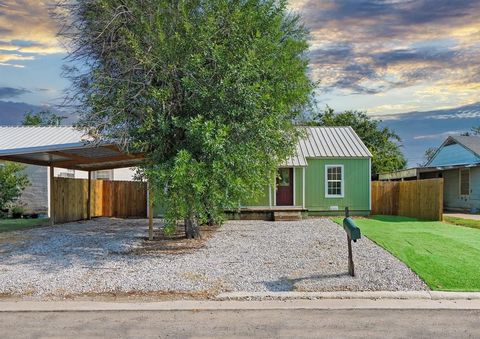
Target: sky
[415, 64]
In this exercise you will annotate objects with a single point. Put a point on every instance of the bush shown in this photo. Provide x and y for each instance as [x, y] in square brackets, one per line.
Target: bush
[12, 183]
[17, 211]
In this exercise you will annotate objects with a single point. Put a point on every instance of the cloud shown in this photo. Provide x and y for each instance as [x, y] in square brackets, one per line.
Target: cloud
[10, 92]
[27, 30]
[10, 57]
[442, 135]
[370, 47]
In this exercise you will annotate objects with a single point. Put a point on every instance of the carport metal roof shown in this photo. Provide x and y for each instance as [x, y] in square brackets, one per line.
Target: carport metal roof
[64, 147]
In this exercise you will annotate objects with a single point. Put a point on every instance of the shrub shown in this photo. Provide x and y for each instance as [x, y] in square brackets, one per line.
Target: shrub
[12, 183]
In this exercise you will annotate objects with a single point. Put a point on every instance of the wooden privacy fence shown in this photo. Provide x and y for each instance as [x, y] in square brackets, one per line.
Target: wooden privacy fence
[422, 199]
[121, 199]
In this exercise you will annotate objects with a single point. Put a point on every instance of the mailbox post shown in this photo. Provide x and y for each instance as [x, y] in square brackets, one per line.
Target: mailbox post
[353, 233]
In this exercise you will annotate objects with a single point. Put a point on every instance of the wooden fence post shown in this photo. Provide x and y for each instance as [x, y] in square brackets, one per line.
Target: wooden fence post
[89, 196]
[52, 195]
[150, 212]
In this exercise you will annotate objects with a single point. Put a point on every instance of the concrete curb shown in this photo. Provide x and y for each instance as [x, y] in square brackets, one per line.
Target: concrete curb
[405, 295]
[237, 305]
[268, 301]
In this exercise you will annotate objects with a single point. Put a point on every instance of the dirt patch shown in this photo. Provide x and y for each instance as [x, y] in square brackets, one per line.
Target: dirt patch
[131, 296]
[176, 243]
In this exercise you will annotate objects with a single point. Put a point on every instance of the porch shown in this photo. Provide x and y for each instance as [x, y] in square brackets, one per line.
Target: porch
[273, 213]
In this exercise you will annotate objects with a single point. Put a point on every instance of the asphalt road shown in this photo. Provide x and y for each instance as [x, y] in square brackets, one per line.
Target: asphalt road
[295, 323]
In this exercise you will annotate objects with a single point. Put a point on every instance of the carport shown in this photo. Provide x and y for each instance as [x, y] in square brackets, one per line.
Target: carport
[64, 147]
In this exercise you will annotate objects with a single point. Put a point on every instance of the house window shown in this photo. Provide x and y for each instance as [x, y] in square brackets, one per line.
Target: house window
[104, 175]
[464, 181]
[66, 173]
[284, 177]
[334, 181]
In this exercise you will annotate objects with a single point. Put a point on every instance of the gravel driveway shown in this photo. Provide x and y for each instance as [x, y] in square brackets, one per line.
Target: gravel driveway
[96, 257]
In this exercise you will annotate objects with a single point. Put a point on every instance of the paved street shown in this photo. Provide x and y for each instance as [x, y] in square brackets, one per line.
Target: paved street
[358, 323]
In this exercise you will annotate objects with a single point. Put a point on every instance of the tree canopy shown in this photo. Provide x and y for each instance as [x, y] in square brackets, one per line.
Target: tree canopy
[43, 118]
[383, 143]
[207, 89]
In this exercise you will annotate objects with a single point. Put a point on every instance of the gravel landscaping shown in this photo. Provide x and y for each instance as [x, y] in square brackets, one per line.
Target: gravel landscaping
[102, 256]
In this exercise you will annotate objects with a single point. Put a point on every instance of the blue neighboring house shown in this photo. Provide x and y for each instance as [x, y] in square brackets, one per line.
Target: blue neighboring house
[457, 161]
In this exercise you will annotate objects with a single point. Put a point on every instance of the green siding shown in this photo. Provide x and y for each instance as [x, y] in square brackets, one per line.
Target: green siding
[261, 201]
[356, 188]
[356, 185]
[298, 186]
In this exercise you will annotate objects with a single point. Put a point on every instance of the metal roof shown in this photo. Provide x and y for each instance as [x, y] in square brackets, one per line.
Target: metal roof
[18, 139]
[64, 147]
[328, 142]
[68, 147]
[470, 142]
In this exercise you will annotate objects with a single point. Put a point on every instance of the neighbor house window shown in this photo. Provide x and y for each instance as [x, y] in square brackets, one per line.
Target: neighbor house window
[464, 181]
[104, 175]
[66, 173]
[334, 181]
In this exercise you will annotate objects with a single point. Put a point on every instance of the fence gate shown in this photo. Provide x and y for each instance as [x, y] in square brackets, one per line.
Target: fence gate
[120, 199]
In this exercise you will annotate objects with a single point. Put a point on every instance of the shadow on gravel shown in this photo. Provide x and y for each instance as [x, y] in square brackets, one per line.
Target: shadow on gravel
[285, 284]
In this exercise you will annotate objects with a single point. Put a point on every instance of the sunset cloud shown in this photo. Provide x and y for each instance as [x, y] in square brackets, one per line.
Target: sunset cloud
[387, 57]
[27, 30]
[370, 47]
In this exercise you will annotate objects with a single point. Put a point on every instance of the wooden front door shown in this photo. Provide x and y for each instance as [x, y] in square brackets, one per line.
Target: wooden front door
[285, 187]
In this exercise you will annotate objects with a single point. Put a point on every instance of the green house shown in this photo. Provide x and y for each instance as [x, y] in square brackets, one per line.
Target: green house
[329, 171]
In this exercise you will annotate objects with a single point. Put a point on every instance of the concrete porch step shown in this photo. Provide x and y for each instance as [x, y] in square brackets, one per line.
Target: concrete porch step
[287, 215]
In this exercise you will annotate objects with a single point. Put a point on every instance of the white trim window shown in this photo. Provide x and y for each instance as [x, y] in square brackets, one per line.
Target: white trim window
[464, 182]
[334, 183]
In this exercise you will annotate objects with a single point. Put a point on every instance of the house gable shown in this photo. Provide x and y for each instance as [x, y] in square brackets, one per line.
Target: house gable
[453, 153]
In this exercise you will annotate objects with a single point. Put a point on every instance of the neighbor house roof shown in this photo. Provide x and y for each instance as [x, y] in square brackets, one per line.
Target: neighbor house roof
[472, 142]
[328, 142]
[469, 142]
[64, 147]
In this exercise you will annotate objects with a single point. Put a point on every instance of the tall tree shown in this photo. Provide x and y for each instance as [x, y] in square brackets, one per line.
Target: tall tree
[383, 143]
[207, 89]
[43, 118]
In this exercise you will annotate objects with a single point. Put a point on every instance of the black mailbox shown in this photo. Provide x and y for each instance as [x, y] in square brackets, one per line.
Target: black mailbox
[353, 232]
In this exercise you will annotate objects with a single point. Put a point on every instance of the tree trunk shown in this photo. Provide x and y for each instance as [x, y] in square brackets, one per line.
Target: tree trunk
[192, 229]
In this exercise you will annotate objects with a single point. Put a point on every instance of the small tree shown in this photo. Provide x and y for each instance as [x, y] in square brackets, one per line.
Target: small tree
[207, 89]
[428, 155]
[12, 183]
[43, 118]
[473, 131]
[382, 142]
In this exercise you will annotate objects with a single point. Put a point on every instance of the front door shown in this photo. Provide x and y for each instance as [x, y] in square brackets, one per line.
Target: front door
[285, 187]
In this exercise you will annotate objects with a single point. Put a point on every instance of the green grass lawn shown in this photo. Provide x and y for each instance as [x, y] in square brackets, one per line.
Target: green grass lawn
[445, 256]
[462, 221]
[18, 224]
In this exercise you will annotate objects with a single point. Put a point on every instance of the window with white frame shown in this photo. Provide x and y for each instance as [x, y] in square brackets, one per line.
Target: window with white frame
[464, 181]
[334, 181]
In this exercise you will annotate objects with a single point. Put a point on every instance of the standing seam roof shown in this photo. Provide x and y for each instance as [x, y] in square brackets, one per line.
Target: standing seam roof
[328, 142]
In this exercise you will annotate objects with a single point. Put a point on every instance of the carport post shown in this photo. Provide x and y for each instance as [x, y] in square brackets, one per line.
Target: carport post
[89, 196]
[52, 196]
